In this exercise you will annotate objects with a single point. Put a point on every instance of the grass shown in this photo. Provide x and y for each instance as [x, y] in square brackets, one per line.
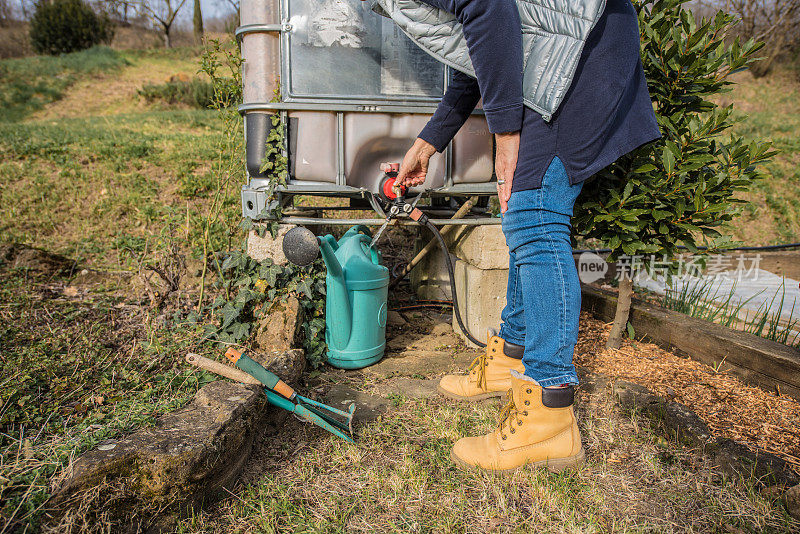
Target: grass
[109, 190]
[27, 84]
[773, 213]
[194, 93]
[76, 371]
[702, 300]
[99, 171]
[399, 478]
[83, 187]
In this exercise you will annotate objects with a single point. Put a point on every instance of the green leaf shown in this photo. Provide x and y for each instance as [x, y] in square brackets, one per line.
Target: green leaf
[668, 160]
[647, 167]
[229, 314]
[240, 331]
[661, 214]
[231, 262]
[627, 191]
[304, 288]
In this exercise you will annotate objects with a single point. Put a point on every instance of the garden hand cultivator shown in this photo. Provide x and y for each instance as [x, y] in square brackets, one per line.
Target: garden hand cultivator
[280, 394]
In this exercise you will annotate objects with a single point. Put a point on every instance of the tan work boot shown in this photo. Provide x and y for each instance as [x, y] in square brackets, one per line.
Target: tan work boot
[489, 375]
[537, 428]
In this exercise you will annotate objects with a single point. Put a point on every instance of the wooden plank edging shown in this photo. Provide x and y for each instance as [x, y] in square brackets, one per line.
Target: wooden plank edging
[757, 361]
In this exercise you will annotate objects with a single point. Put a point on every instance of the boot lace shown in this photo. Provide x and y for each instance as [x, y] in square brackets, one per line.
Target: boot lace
[508, 415]
[478, 365]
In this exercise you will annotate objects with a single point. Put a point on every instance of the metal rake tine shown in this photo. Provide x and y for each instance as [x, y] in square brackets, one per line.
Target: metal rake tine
[302, 412]
[335, 422]
[311, 417]
[348, 414]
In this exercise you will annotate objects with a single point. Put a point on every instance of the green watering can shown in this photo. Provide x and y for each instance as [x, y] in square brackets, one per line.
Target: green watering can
[357, 291]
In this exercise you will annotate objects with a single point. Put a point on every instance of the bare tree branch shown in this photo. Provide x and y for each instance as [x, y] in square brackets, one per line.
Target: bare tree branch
[163, 12]
[775, 22]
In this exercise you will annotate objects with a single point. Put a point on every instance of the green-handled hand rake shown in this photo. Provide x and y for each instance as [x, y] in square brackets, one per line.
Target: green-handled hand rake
[280, 394]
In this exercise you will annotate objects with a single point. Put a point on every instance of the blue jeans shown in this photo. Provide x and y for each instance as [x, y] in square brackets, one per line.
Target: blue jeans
[543, 299]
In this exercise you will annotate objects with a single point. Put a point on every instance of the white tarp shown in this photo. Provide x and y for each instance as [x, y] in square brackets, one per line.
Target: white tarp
[756, 289]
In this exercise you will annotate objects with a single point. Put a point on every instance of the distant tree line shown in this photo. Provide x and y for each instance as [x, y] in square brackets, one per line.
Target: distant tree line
[776, 23]
[162, 15]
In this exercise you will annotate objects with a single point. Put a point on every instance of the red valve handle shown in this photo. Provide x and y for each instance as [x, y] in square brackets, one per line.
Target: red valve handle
[388, 188]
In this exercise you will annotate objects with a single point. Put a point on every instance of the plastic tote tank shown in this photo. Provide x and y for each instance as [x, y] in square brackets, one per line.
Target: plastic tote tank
[354, 91]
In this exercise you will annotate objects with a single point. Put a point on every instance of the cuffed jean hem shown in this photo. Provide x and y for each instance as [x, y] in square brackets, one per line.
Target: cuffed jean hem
[507, 335]
[557, 381]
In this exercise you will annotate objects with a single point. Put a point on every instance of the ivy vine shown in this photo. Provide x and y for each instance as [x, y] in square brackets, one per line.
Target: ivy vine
[248, 289]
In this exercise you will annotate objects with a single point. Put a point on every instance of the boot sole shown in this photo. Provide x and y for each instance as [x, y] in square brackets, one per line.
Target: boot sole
[555, 465]
[482, 396]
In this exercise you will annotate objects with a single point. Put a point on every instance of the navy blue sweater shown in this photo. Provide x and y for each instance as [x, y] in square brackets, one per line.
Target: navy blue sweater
[606, 113]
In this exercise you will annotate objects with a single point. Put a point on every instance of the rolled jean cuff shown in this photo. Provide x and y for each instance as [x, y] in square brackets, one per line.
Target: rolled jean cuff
[509, 336]
[559, 380]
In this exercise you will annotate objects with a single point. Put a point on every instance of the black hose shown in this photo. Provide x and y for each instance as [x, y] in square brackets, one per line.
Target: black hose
[448, 261]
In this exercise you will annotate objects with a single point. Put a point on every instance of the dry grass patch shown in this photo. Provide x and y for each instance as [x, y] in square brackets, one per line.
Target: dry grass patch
[770, 103]
[114, 93]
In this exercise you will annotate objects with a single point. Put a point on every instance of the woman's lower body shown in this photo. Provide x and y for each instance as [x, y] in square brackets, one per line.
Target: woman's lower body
[543, 298]
[531, 357]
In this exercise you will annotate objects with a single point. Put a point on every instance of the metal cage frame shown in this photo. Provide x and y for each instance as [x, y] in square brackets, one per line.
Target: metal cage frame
[254, 199]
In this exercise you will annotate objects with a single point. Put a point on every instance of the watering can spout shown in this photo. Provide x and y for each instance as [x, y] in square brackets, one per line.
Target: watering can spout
[341, 315]
[302, 247]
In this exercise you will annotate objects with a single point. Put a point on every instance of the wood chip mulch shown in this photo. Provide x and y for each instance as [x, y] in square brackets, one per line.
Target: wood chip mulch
[750, 415]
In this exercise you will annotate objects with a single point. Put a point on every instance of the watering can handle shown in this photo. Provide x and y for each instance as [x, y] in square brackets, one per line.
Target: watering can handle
[363, 229]
[331, 241]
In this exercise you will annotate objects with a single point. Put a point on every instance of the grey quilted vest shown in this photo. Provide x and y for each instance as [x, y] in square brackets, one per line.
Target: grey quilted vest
[553, 35]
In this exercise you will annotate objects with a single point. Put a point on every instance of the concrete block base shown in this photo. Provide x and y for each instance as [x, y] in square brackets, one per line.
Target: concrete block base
[481, 297]
[429, 278]
[480, 256]
[261, 248]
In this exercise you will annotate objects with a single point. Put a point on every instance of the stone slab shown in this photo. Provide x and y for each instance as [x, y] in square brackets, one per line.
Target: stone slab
[145, 481]
[279, 327]
[414, 388]
[415, 363]
[368, 407]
